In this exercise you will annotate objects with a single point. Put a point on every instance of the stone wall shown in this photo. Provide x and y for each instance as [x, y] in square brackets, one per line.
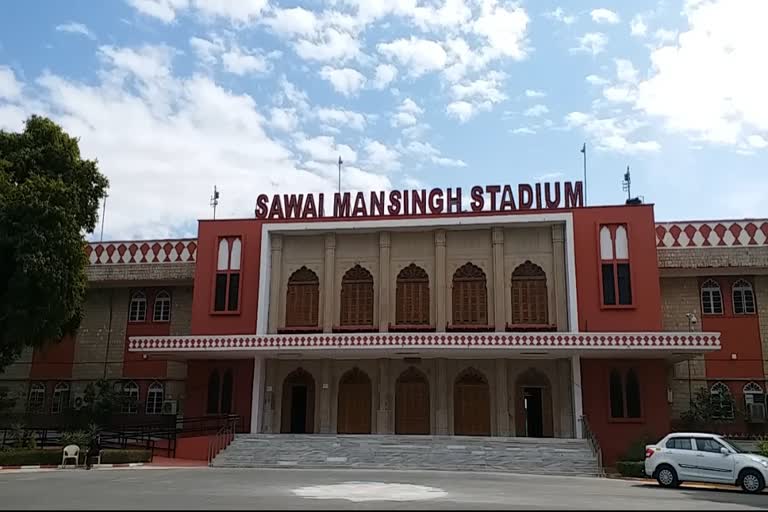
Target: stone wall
[713, 257]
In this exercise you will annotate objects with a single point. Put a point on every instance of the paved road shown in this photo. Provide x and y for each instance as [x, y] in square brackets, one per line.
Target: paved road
[344, 489]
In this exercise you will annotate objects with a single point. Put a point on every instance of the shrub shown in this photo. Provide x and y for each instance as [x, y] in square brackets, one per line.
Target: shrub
[762, 447]
[636, 451]
[631, 469]
[23, 438]
[25, 457]
[125, 456]
[78, 437]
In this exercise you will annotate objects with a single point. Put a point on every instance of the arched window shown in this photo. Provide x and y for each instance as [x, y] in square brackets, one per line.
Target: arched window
[137, 311]
[302, 299]
[529, 295]
[214, 388]
[743, 298]
[470, 296]
[60, 398]
[130, 395]
[357, 297]
[226, 295]
[617, 395]
[722, 401]
[754, 399]
[155, 395]
[162, 309]
[412, 296]
[226, 393]
[711, 298]
[36, 400]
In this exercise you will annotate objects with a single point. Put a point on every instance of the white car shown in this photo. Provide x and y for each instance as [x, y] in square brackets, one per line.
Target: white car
[692, 457]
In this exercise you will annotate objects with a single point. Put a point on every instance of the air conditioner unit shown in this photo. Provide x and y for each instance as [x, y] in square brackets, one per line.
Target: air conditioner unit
[170, 406]
[756, 413]
[79, 401]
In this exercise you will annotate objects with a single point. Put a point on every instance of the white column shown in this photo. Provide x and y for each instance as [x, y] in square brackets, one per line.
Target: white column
[384, 252]
[497, 237]
[257, 394]
[276, 274]
[329, 282]
[440, 289]
[578, 408]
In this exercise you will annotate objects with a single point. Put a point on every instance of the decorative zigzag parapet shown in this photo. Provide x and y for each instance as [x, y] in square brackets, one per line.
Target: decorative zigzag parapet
[143, 251]
[742, 233]
[660, 340]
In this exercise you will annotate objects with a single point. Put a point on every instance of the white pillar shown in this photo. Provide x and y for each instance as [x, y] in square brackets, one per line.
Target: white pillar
[257, 394]
[578, 408]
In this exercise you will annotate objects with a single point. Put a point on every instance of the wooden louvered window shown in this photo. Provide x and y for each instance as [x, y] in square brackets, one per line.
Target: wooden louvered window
[357, 298]
[529, 295]
[302, 298]
[470, 297]
[412, 296]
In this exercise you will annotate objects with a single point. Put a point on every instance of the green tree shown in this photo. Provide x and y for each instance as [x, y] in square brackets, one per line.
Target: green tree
[49, 199]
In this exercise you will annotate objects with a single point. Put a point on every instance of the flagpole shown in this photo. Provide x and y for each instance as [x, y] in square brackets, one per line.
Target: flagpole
[584, 152]
[103, 213]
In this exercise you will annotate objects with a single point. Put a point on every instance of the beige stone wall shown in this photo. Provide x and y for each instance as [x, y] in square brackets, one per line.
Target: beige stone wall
[156, 273]
[95, 344]
[679, 296]
[497, 251]
[713, 257]
[441, 375]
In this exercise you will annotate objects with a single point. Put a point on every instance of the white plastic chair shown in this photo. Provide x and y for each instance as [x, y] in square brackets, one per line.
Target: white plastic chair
[71, 451]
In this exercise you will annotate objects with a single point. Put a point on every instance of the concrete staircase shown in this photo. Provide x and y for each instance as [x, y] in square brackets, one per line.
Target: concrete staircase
[506, 454]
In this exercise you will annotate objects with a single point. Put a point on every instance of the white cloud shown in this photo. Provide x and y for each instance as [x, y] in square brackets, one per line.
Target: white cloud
[76, 28]
[461, 110]
[324, 149]
[559, 15]
[709, 84]
[341, 118]
[284, 119]
[332, 45]
[611, 134]
[625, 71]
[292, 22]
[346, 81]
[207, 50]
[756, 141]
[10, 88]
[596, 80]
[536, 111]
[380, 158]
[385, 74]
[240, 63]
[637, 26]
[591, 42]
[529, 93]
[419, 55]
[407, 114]
[524, 130]
[663, 36]
[603, 15]
[426, 151]
[504, 28]
[236, 11]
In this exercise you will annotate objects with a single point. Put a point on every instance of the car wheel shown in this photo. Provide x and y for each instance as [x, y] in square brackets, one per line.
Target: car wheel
[667, 476]
[752, 481]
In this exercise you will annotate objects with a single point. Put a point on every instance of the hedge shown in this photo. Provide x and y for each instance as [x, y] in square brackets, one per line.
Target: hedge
[631, 468]
[53, 457]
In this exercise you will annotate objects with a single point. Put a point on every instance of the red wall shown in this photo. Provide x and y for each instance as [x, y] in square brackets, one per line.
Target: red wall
[616, 435]
[204, 319]
[54, 361]
[135, 366]
[739, 334]
[645, 312]
[242, 387]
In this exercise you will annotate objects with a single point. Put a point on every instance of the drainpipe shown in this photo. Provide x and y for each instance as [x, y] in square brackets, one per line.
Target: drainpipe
[109, 331]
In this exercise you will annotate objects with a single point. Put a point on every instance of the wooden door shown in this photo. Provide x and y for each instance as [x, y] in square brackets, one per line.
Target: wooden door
[354, 407]
[412, 403]
[471, 409]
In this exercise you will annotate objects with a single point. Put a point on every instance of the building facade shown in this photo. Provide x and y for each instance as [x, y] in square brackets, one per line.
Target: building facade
[526, 323]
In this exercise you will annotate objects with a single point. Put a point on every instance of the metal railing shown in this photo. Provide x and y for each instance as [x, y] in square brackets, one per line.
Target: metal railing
[224, 436]
[593, 443]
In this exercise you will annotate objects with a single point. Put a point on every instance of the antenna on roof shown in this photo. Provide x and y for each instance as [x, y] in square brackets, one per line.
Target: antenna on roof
[215, 201]
[340, 162]
[626, 185]
[103, 213]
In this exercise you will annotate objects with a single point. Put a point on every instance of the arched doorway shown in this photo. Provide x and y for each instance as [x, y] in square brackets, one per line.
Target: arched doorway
[298, 407]
[471, 404]
[533, 404]
[412, 403]
[354, 405]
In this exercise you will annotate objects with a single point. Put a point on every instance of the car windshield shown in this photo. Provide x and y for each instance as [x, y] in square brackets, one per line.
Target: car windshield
[731, 445]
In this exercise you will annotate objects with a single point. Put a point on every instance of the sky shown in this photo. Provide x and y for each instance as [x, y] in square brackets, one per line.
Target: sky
[263, 96]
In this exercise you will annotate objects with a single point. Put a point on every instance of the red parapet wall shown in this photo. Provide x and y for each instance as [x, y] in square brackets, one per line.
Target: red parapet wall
[148, 251]
[712, 234]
